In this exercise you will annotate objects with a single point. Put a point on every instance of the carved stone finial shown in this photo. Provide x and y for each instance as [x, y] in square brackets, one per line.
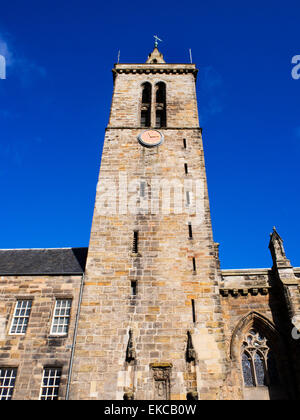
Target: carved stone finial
[277, 249]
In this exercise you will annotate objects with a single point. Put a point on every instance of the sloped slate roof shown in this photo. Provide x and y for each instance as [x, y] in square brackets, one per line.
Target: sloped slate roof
[43, 261]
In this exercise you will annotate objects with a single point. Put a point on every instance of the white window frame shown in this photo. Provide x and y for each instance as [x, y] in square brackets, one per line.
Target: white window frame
[53, 387]
[17, 315]
[62, 314]
[5, 377]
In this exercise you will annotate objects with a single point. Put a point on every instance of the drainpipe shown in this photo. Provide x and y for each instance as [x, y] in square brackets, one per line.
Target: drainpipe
[74, 337]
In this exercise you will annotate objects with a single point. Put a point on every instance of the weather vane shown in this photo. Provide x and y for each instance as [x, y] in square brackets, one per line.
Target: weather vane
[156, 40]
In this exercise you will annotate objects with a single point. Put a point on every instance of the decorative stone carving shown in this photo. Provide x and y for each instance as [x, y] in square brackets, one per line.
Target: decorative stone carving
[245, 291]
[190, 351]
[278, 245]
[130, 351]
[161, 376]
[277, 250]
[258, 364]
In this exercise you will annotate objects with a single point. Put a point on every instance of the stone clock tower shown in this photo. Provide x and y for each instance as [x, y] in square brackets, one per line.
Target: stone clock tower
[150, 323]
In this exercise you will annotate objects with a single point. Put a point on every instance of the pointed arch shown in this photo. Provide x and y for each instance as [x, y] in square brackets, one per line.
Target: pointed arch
[252, 320]
[258, 353]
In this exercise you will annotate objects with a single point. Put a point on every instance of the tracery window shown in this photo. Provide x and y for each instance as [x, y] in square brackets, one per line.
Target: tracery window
[258, 363]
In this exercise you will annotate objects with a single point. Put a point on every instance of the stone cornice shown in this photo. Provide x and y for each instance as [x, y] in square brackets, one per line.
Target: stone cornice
[161, 129]
[244, 291]
[148, 68]
[246, 272]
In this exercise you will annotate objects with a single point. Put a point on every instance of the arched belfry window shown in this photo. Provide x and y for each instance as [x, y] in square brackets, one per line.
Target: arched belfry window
[160, 105]
[258, 363]
[146, 105]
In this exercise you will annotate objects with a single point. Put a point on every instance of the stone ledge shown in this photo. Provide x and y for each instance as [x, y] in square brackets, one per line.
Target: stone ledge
[152, 128]
[160, 68]
[246, 271]
[161, 365]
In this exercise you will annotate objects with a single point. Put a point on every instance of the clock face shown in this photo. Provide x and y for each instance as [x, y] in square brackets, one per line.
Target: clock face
[151, 138]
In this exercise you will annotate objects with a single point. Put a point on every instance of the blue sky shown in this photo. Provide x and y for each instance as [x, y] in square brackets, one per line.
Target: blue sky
[54, 106]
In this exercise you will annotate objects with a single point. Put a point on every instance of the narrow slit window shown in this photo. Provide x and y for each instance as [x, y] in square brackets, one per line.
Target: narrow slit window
[186, 168]
[194, 264]
[50, 384]
[190, 230]
[184, 143]
[133, 288]
[193, 310]
[135, 245]
[7, 383]
[21, 317]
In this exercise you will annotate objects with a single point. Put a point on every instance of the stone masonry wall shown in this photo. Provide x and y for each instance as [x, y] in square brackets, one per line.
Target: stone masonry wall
[37, 349]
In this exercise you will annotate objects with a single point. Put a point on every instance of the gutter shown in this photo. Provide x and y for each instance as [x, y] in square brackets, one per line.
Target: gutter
[74, 338]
